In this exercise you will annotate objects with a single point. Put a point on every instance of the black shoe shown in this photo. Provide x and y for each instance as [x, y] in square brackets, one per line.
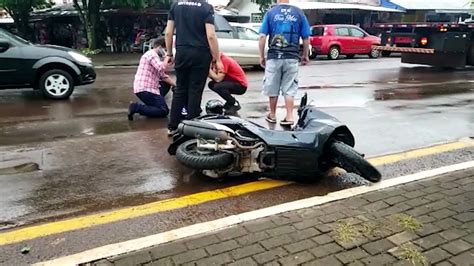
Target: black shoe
[232, 109]
[131, 111]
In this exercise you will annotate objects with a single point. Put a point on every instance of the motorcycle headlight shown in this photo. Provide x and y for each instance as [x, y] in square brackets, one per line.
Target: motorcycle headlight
[79, 57]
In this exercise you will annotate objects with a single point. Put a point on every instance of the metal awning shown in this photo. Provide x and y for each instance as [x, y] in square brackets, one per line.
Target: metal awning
[433, 4]
[340, 6]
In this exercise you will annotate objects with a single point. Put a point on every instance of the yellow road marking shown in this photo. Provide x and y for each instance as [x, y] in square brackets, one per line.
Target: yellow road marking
[133, 212]
[42, 230]
[393, 158]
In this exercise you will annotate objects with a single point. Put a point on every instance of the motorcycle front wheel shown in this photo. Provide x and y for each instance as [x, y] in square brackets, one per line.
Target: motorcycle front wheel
[189, 155]
[348, 159]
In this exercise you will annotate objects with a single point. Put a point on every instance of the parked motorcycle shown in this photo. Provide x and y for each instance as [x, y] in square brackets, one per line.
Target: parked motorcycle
[220, 145]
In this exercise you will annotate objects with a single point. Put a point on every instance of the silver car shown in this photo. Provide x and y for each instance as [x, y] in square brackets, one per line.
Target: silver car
[239, 41]
[241, 44]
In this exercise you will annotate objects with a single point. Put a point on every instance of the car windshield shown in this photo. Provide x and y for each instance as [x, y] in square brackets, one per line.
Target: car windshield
[12, 38]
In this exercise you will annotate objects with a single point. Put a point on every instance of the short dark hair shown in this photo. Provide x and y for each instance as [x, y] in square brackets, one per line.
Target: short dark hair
[160, 41]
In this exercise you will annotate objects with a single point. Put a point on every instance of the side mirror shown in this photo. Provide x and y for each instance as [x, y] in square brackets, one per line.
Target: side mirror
[4, 46]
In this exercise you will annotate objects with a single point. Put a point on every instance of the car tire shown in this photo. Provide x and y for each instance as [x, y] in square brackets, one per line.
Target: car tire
[56, 84]
[386, 53]
[313, 56]
[334, 53]
[350, 56]
[374, 53]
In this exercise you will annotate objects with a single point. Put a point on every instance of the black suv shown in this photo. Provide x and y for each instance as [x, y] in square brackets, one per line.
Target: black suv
[54, 70]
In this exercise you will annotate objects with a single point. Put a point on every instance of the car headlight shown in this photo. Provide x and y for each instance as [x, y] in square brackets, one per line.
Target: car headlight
[79, 57]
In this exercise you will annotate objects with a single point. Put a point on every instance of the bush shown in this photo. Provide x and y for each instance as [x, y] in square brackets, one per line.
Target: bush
[89, 52]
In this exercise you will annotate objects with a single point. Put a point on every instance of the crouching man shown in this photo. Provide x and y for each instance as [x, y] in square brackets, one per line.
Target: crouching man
[231, 80]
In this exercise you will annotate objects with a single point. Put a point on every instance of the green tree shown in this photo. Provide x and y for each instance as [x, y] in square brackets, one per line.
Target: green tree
[89, 13]
[264, 4]
[20, 10]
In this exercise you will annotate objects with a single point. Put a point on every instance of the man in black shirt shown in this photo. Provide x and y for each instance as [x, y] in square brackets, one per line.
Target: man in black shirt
[196, 47]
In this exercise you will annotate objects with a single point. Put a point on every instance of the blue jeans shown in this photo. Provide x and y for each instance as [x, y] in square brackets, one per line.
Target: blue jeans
[154, 105]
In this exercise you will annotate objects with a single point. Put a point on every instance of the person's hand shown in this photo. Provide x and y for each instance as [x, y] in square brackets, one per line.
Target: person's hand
[219, 66]
[305, 60]
[263, 62]
[169, 60]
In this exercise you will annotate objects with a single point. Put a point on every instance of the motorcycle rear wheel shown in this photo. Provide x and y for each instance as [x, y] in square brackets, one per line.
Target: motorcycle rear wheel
[188, 154]
[348, 159]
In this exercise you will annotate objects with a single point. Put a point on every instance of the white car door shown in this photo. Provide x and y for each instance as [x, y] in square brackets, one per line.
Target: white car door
[228, 44]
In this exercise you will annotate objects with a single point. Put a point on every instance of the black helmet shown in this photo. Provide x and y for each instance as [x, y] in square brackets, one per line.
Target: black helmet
[215, 107]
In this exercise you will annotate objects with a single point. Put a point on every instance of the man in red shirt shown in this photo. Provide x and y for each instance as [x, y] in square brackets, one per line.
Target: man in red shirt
[231, 80]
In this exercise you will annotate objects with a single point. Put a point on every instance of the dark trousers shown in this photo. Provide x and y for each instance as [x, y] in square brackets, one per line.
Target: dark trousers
[225, 89]
[164, 88]
[192, 68]
[154, 105]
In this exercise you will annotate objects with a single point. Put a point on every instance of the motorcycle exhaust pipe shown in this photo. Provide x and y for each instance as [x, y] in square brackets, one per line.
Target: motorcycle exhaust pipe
[202, 132]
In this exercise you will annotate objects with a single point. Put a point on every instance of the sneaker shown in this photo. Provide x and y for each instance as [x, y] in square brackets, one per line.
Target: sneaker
[131, 110]
[172, 132]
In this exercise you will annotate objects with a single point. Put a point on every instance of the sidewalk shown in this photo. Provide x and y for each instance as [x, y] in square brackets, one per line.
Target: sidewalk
[429, 222]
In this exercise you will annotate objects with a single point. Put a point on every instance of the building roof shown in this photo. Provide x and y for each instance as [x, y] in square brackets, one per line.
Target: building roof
[324, 5]
[433, 4]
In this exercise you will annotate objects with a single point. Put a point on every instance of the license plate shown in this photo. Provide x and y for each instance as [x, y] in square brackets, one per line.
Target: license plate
[403, 39]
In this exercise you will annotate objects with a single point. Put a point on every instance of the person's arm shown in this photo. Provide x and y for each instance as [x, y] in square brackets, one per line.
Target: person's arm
[169, 80]
[264, 30]
[169, 37]
[212, 38]
[261, 47]
[159, 65]
[170, 27]
[305, 33]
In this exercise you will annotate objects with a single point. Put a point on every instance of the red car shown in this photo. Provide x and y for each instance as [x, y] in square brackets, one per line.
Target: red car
[336, 40]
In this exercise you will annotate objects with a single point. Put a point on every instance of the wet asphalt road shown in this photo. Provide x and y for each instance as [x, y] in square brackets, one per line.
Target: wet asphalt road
[92, 159]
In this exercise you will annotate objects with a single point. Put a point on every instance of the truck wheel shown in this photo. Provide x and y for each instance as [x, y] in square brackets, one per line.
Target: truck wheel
[56, 84]
[386, 53]
[374, 53]
[470, 55]
[334, 53]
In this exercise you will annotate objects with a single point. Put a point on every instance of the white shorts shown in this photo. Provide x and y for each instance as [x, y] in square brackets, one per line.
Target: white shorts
[281, 77]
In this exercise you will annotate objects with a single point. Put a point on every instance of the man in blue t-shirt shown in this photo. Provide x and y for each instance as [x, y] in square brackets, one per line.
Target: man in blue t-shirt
[285, 25]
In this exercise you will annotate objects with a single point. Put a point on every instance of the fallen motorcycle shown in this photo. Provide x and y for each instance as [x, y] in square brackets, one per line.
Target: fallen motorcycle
[220, 145]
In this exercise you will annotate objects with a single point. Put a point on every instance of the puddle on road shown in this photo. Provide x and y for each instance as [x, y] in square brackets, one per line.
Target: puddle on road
[421, 92]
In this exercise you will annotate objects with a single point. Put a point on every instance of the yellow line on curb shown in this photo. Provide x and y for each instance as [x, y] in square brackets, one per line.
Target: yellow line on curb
[47, 229]
[393, 158]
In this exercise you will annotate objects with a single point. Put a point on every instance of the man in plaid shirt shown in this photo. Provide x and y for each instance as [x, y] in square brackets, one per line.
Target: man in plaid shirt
[151, 84]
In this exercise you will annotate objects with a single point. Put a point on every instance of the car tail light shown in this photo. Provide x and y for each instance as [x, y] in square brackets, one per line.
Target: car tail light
[389, 39]
[424, 41]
